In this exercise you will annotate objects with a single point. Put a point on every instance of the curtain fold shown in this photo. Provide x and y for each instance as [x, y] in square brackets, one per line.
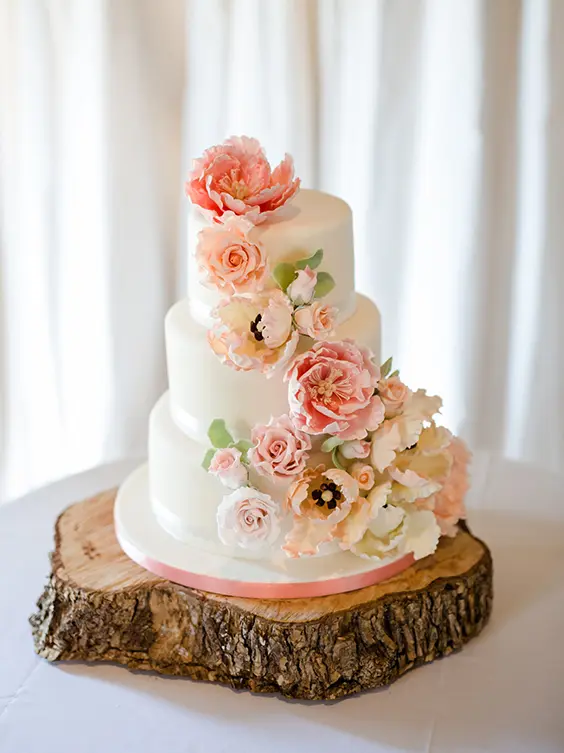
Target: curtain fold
[440, 122]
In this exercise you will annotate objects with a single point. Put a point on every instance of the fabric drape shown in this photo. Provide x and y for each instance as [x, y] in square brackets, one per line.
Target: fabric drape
[440, 122]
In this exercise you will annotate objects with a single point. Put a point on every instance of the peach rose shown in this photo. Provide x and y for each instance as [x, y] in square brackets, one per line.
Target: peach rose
[228, 260]
[301, 290]
[254, 332]
[248, 518]
[393, 393]
[364, 474]
[280, 450]
[235, 178]
[226, 465]
[316, 321]
[331, 390]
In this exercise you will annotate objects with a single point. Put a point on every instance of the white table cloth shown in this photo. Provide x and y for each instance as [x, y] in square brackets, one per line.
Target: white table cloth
[503, 692]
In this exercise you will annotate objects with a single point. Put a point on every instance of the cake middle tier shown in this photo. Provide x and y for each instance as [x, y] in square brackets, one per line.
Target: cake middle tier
[202, 388]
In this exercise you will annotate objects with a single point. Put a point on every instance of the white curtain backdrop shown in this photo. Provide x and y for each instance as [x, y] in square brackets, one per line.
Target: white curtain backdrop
[441, 122]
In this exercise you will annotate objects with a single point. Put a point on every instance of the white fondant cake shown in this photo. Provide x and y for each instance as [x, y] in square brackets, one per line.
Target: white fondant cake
[280, 435]
[184, 496]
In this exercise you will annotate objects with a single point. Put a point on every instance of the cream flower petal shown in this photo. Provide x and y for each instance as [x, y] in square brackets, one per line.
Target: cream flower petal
[421, 533]
[385, 442]
[353, 527]
[385, 535]
[418, 408]
[378, 496]
[434, 438]
[345, 481]
[407, 478]
[306, 536]
[409, 494]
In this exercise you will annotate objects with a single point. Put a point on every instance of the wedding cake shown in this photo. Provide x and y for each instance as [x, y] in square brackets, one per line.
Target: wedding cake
[282, 438]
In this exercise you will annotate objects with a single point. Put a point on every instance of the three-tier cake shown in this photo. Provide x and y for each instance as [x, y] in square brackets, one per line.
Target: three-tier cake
[284, 460]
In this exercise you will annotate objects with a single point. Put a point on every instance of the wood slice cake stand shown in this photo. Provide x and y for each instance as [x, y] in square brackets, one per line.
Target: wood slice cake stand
[99, 605]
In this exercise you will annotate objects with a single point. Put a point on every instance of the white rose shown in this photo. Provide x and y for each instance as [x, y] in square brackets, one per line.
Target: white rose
[248, 519]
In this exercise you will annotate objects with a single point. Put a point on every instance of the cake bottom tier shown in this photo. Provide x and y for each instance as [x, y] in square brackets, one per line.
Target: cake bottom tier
[184, 497]
[271, 576]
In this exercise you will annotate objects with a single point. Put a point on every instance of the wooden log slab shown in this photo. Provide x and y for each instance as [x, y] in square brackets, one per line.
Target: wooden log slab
[98, 605]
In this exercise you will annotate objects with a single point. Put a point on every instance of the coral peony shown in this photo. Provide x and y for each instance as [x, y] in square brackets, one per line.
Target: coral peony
[331, 390]
[235, 178]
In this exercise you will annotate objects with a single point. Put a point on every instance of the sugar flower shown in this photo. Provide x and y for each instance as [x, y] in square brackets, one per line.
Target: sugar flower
[318, 499]
[364, 509]
[364, 474]
[331, 390]
[448, 502]
[302, 289]
[235, 178]
[393, 393]
[228, 260]
[248, 519]
[317, 320]
[254, 332]
[355, 448]
[226, 465]
[280, 450]
[396, 531]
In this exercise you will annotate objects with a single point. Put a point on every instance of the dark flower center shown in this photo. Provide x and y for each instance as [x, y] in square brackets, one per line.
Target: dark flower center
[326, 494]
[254, 328]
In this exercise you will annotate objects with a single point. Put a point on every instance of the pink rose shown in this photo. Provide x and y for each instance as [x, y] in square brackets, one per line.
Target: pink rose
[280, 450]
[363, 474]
[227, 466]
[228, 260]
[331, 390]
[316, 321]
[235, 178]
[393, 393]
[254, 332]
[448, 503]
[301, 290]
[248, 518]
[355, 448]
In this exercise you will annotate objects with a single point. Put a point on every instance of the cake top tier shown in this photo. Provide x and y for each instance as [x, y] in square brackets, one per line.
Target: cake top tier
[312, 220]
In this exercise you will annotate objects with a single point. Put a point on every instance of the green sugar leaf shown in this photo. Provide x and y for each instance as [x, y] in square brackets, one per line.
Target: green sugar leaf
[336, 462]
[208, 458]
[284, 274]
[385, 368]
[330, 444]
[243, 445]
[218, 434]
[325, 284]
[312, 262]
[394, 374]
